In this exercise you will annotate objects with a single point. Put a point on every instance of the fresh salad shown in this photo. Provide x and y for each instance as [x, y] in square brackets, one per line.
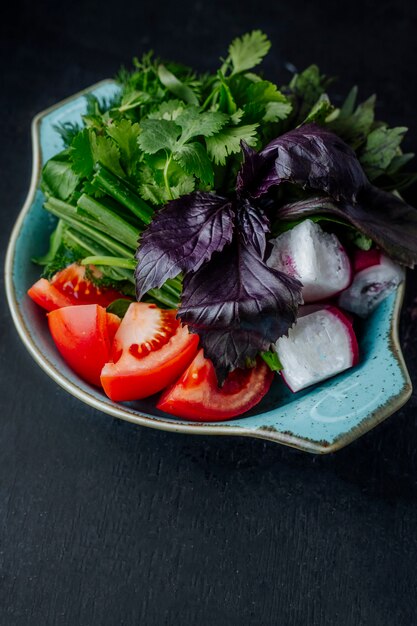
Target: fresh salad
[217, 231]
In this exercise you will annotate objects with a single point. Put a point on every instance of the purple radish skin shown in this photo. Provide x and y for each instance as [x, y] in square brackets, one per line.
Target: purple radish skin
[376, 279]
[320, 345]
[315, 257]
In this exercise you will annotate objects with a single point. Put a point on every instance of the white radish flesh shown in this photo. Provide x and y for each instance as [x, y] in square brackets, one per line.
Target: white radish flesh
[315, 257]
[320, 345]
[375, 278]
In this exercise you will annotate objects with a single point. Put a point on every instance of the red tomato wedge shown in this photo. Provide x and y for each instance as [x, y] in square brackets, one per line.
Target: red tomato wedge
[150, 351]
[83, 335]
[70, 287]
[196, 396]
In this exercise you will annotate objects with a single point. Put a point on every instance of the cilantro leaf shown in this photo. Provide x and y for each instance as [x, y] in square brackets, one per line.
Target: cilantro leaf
[194, 123]
[81, 155]
[125, 134]
[158, 135]
[194, 160]
[276, 111]
[169, 110]
[105, 151]
[227, 141]
[184, 186]
[150, 188]
[248, 51]
[264, 102]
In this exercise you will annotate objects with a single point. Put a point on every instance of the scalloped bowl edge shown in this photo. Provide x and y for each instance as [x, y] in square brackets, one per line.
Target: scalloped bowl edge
[125, 413]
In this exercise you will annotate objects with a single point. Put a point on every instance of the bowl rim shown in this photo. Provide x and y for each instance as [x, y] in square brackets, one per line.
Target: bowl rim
[126, 413]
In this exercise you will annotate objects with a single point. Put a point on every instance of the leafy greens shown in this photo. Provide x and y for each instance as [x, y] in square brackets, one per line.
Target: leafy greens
[196, 167]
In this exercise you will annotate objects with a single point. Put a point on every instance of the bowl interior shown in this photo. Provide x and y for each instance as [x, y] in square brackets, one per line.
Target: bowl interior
[321, 418]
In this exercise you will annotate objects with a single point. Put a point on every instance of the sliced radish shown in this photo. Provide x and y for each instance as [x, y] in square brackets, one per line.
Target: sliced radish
[376, 276]
[315, 257]
[320, 345]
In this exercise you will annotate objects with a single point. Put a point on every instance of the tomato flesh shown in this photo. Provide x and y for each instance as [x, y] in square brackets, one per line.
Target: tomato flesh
[150, 351]
[197, 396]
[69, 287]
[49, 298]
[82, 335]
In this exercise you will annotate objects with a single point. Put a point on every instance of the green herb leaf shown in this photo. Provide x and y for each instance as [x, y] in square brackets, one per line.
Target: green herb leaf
[125, 134]
[227, 141]
[168, 110]
[320, 111]
[58, 177]
[194, 160]
[354, 128]
[105, 151]
[307, 86]
[381, 146]
[271, 359]
[119, 307]
[175, 86]
[248, 51]
[81, 155]
[158, 135]
[194, 123]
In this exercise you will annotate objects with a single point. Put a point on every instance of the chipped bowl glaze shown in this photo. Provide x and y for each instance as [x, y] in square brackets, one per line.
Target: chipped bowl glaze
[321, 419]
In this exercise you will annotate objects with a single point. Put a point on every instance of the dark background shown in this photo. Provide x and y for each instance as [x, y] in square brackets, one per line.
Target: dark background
[105, 523]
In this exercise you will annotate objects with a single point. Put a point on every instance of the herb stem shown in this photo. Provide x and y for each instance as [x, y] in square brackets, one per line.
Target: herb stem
[164, 298]
[168, 188]
[69, 215]
[107, 221]
[111, 261]
[120, 191]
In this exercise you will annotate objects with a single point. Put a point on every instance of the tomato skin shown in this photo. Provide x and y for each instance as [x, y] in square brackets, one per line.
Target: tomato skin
[47, 296]
[81, 334]
[113, 323]
[132, 377]
[69, 287]
[197, 397]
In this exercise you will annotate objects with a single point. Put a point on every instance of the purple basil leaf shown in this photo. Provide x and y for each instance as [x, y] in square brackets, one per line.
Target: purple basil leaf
[385, 218]
[253, 225]
[314, 157]
[309, 156]
[309, 206]
[257, 173]
[181, 237]
[238, 305]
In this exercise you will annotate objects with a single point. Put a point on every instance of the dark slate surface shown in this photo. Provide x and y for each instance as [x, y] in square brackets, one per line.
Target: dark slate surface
[105, 523]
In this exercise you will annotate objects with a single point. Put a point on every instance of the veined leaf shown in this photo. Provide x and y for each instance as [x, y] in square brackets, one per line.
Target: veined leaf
[227, 141]
[195, 123]
[158, 135]
[248, 51]
[194, 160]
[226, 299]
[182, 236]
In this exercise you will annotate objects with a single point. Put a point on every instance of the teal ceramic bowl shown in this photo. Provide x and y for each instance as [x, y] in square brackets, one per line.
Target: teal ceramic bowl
[321, 419]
